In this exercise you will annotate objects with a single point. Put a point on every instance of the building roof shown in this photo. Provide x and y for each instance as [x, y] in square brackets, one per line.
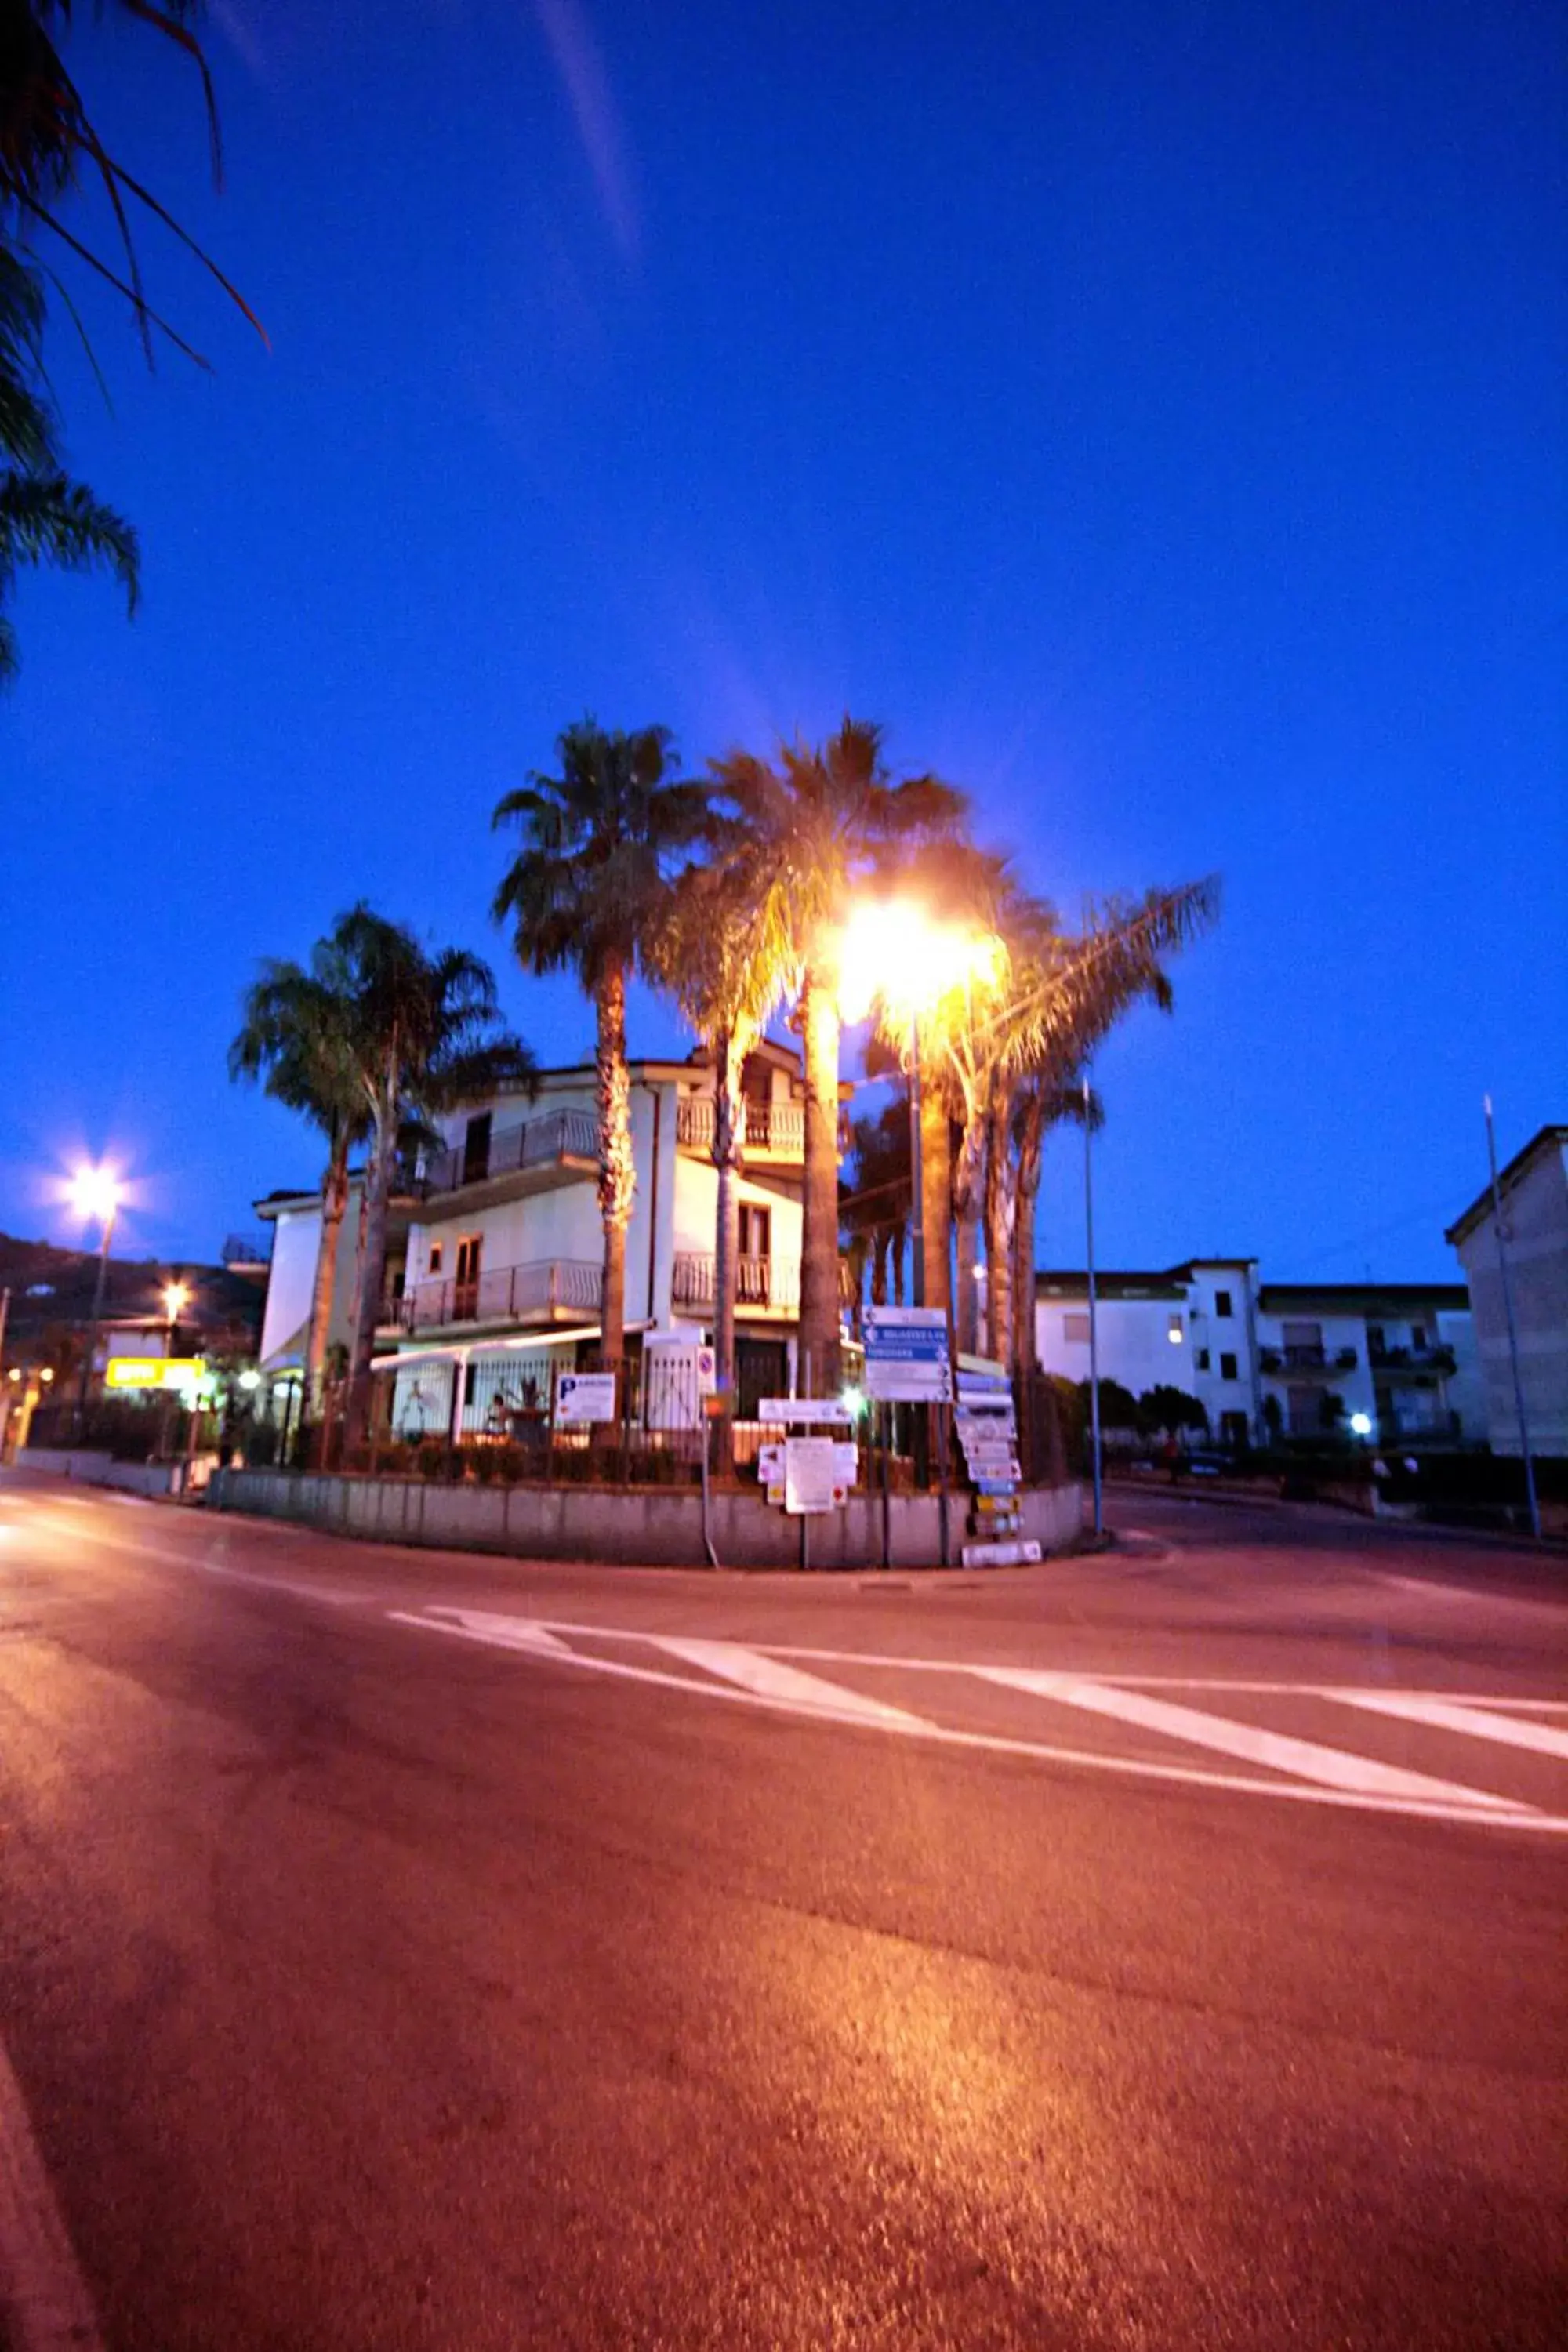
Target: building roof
[1545, 1140]
[1363, 1297]
[1057, 1282]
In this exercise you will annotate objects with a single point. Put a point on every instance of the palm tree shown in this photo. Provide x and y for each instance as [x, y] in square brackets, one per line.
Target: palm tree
[1044, 1100]
[878, 1206]
[50, 143]
[588, 893]
[1065, 992]
[723, 949]
[297, 1035]
[45, 518]
[828, 818]
[426, 1035]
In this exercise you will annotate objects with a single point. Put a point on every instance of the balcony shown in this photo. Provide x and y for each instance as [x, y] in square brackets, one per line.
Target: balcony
[760, 1282]
[1305, 1361]
[775, 1131]
[533, 1156]
[1435, 1361]
[527, 1297]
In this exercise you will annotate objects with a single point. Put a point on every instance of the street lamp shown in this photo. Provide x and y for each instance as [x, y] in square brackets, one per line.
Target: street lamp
[94, 1192]
[896, 951]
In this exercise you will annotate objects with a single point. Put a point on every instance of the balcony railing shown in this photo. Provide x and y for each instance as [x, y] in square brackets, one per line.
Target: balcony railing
[1307, 1360]
[1439, 1358]
[775, 1126]
[561, 1135]
[536, 1293]
[759, 1281]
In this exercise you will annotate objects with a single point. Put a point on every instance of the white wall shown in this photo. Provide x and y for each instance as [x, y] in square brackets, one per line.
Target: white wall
[1535, 1210]
[295, 1241]
[1134, 1345]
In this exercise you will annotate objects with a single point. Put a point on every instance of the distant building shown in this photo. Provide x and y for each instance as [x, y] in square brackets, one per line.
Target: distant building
[1300, 1358]
[1535, 1194]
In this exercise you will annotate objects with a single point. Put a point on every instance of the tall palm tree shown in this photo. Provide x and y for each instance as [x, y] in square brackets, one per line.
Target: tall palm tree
[723, 949]
[1046, 1099]
[427, 1035]
[587, 893]
[297, 1037]
[45, 518]
[878, 1205]
[829, 817]
[1066, 991]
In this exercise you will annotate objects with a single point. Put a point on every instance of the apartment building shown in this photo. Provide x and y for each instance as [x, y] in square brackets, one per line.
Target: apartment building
[1384, 1361]
[497, 1247]
[1533, 1189]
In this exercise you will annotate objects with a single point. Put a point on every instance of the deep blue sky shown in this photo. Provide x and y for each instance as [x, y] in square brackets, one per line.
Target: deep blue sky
[1154, 414]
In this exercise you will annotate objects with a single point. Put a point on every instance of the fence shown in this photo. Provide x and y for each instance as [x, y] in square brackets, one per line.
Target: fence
[511, 1419]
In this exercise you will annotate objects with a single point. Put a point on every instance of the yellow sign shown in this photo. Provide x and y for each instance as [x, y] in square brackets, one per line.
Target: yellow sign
[155, 1371]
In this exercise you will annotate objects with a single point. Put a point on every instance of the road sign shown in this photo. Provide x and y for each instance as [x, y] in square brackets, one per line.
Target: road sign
[155, 1371]
[1015, 1554]
[812, 1476]
[784, 1410]
[906, 1319]
[898, 1383]
[584, 1396]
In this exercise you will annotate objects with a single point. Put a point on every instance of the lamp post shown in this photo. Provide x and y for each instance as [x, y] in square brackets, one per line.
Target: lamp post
[94, 1192]
[176, 1299]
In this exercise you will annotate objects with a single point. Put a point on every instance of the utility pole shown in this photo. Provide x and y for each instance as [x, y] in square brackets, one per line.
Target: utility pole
[1512, 1328]
[1093, 1320]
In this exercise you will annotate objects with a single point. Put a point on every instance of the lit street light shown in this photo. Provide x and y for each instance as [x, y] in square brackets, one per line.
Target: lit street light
[95, 1192]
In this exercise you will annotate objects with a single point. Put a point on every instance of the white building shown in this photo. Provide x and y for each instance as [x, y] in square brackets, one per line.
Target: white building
[1380, 1359]
[1535, 1194]
[496, 1256]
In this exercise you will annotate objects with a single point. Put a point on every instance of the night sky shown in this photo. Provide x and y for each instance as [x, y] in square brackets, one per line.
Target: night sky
[1154, 414]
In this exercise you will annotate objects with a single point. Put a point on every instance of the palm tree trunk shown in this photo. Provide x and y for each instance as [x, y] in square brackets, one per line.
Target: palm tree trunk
[936, 1197]
[1030, 1143]
[372, 1266]
[897, 1238]
[966, 1284]
[726, 1157]
[334, 1202]
[968, 1174]
[617, 1172]
[880, 1242]
[1001, 1209]
[819, 1236]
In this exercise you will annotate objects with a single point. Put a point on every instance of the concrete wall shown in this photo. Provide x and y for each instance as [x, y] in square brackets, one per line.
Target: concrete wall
[1535, 1211]
[96, 1469]
[622, 1526]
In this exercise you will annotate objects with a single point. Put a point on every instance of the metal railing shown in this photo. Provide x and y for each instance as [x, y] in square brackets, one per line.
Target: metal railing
[534, 1143]
[1307, 1358]
[759, 1281]
[1439, 1358]
[764, 1126]
[532, 1293]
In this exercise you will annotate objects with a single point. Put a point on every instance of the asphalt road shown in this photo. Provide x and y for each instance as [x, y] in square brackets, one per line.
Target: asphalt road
[410, 1950]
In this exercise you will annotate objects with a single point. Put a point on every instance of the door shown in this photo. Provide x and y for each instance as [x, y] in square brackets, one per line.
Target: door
[754, 1271]
[756, 1095]
[476, 1148]
[762, 1369]
[466, 1278]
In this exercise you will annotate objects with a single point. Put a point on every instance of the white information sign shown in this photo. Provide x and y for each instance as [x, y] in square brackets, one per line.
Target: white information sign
[786, 1409]
[584, 1396]
[812, 1479]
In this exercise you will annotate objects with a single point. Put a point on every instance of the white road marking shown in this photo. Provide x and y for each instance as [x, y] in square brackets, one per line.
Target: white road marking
[769, 1678]
[1279, 1751]
[41, 2291]
[1448, 1714]
[495, 1631]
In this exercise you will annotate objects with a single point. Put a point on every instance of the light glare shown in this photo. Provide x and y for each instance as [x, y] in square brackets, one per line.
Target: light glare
[95, 1192]
[893, 950]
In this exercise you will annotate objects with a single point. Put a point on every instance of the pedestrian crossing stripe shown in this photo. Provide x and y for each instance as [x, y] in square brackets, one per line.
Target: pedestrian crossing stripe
[780, 1679]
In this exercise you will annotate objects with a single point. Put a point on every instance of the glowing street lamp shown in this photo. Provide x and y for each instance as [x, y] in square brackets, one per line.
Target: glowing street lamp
[95, 1192]
[895, 951]
[176, 1299]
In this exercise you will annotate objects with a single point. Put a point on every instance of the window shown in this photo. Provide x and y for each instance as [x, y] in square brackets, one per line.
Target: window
[756, 1230]
[1228, 1368]
[476, 1148]
[1201, 1360]
[467, 1268]
[1419, 1335]
[1222, 1303]
[471, 1375]
[1075, 1331]
[435, 1257]
[1375, 1339]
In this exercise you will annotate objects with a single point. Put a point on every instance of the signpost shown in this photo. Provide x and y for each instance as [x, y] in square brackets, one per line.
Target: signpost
[908, 1360]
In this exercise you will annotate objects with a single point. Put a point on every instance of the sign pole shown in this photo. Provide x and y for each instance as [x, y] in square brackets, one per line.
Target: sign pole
[1093, 1320]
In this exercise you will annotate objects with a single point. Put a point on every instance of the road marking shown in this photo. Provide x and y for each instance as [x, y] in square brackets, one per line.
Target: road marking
[1448, 1714]
[769, 1678]
[1452, 1803]
[41, 2290]
[1304, 1758]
